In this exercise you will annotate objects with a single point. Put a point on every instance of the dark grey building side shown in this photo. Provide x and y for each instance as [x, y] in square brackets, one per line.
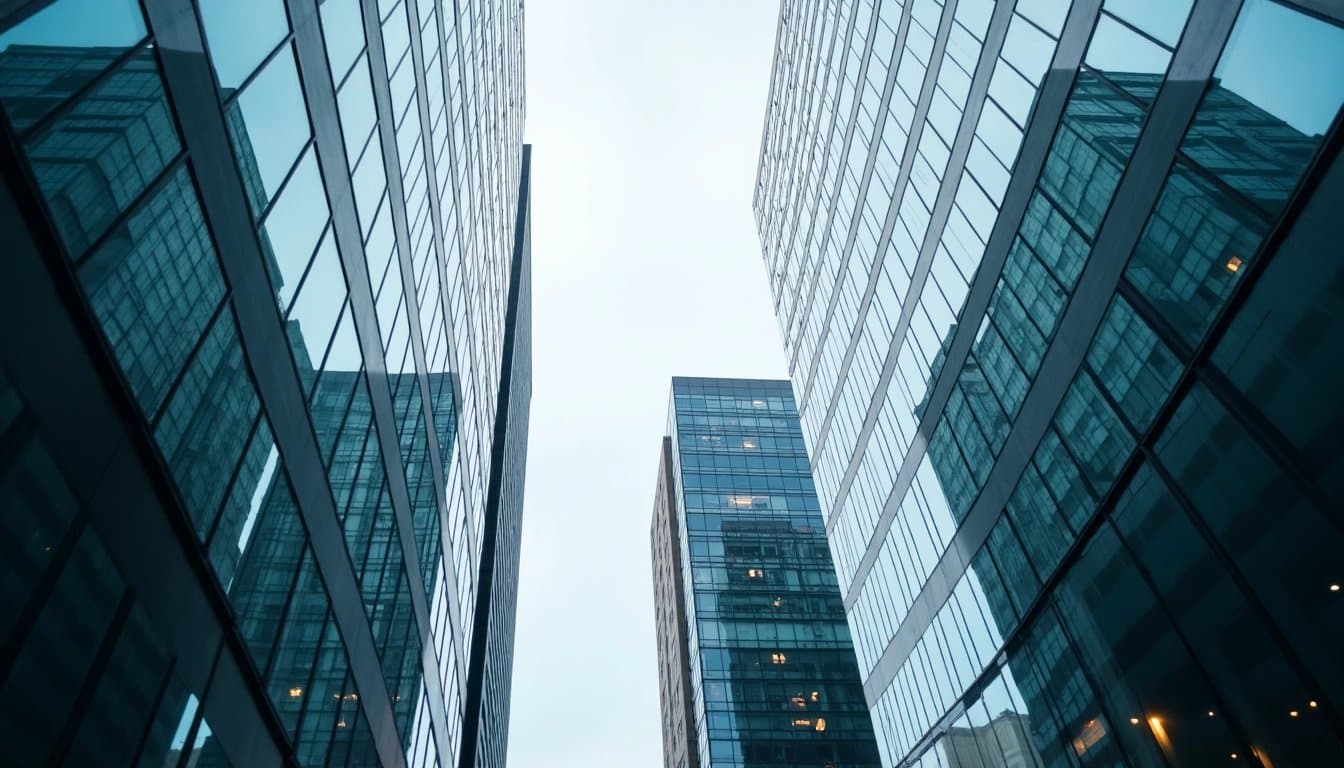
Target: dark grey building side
[491, 673]
[248, 427]
[669, 606]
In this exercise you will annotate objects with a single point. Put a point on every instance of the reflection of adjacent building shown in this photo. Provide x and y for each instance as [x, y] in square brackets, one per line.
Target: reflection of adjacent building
[1006, 740]
[748, 610]
[1087, 399]
[241, 524]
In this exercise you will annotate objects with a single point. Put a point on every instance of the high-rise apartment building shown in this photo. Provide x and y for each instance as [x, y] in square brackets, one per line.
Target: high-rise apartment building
[756, 667]
[1056, 289]
[265, 388]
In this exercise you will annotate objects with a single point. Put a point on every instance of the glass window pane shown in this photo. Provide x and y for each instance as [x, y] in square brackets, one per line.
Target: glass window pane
[317, 308]
[1283, 348]
[293, 225]
[1163, 19]
[1263, 119]
[1152, 683]
[93, 32]
[1135, 368]
[1198, 242]
[343, 30]
[296, 651]
[154, 285]
[269, 567]
[355, 103]
[1253, 678]
[97, 158]
[72, 625]
[1289, 557]
[240, 33]
[37, 509]
[205, 425]
[269, 127]
[124, 699]
[1118, 48]
[238, 517]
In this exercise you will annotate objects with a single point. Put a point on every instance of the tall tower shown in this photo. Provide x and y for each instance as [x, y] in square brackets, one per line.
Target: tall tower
[264, 430]
[1049, 280]
[755, 659]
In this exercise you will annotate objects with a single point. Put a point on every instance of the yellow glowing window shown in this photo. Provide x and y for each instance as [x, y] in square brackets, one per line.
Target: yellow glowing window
[778, 658]
[1234, 264]
[295, 692]
[816, 695]
[776, 602]
[802, 722]
[821, 723]
[1093, 732]
[755, 573]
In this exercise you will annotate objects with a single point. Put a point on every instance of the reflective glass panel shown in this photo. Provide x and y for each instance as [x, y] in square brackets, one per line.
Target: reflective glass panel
[154, 285]
[98, 157]
[293, 225]
[1262, 120]
[268, 127]
[1199, 241]
[94, 32]
[240, 33]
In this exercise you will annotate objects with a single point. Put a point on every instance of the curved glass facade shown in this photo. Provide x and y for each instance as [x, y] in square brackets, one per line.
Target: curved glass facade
[1057, 458]
[276, 258]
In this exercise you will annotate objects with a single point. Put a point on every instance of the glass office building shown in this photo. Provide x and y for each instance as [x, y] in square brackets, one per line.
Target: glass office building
[264, 397]
[755, 660]
[1056, 286]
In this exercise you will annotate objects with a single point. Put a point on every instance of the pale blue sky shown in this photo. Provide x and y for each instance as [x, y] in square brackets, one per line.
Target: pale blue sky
[645, 120]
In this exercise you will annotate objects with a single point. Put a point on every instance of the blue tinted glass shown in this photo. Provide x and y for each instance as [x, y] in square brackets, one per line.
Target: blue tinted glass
[205, 426]
[94, 161]
[1262, 120]
[293, 225]
[1135, 368]
[1130, 60]
[1095, 139]
[1198, 242]
[1282, 350]
[238, 517]
[240, 34]
[1163, 19]
[269, 127]
[343, 30]
[315, 311]
[275, 546]
[355, 103]
[154, 284]
[92, 32]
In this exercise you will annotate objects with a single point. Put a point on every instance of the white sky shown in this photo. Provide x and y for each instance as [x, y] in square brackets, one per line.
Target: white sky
[645, 119]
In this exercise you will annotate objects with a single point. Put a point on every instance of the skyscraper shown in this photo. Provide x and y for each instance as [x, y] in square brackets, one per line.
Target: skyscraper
[266, 385]
[1051, 280]
[755, 661]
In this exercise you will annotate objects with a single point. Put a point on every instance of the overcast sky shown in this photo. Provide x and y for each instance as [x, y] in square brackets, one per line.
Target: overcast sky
[645, 120]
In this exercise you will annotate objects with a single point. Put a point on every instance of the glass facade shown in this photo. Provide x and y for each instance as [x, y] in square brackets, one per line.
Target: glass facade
[1057, 315]
[748, 607]
[262, 453]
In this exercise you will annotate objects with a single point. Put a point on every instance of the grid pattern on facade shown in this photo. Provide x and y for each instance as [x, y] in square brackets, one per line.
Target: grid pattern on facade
[773, 679]
[1057, 430]
[353, 260]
